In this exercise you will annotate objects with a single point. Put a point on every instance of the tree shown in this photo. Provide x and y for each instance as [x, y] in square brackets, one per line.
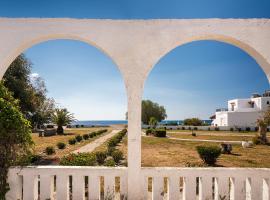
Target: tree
[153, 122]
[15, 136]
[29, 90]
[62, 117]
[193, 122]
[152, 109]
[262, 123]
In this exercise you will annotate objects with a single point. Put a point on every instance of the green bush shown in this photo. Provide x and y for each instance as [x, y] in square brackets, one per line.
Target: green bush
[248, 129]
[195, 128]
[194, 134]
[78, 138]
[50, 150]
[209, 154]
[257, 140]
[72, 141]
[110, 150]
[183, 128]
[80, 159]
[100, 157]
[216, 128]
[93, 134]
[117, 156]
[148, 131]
[110, 162]
[61, 145]
[160, 133]
[231, 129]
[85, 136]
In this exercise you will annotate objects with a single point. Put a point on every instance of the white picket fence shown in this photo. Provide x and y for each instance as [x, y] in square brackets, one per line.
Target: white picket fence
[93, 183]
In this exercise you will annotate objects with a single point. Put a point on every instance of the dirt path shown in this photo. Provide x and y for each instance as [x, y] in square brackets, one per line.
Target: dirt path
[96, 143]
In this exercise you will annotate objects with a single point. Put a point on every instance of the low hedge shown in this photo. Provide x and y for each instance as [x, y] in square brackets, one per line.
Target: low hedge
[78, 138]
[61, 145]
[117, 156]
[209, 154]
[80, 159]
[100, 157]
[85, 136]
[97, 133]
[72, 141]
[50, 150]
[160, 133]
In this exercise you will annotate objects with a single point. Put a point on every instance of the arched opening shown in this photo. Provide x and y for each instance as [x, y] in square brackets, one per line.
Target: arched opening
[79, 78]
[192, 81]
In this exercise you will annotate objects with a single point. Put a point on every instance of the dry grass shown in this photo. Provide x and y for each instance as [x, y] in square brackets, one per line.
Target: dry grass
[164, 152]
[42, 142]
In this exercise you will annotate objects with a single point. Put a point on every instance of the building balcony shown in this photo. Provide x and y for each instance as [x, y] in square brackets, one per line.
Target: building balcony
[81, 183]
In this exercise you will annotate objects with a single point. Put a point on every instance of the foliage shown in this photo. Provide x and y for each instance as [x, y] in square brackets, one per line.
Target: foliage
[85, 136]
[50, 150]
[209, 154]
[110, 150]
[117, 156]
[153, 122]
[100, 157]
[80, 159]
[151, 109]
[62, 117]
[160, 133]
[15, 136]
[61, 145]
[29, 90]
[149, 131]
[257, 140]
[110, 162]
[78, 138]
[262, 123]
[72, 141]
[193, 122]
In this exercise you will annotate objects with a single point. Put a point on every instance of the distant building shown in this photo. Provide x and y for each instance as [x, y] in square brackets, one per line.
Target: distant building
[242, 112]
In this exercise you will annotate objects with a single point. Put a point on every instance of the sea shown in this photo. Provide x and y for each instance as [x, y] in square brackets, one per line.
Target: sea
[114, 122]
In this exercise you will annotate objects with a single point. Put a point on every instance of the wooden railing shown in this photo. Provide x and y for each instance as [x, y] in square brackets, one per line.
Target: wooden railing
[93, 183]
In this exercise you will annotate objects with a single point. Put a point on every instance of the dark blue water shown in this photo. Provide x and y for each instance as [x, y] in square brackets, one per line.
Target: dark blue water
[113, 122]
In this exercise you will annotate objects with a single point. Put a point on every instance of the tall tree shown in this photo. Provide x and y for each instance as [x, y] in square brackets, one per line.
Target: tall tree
[152, 109]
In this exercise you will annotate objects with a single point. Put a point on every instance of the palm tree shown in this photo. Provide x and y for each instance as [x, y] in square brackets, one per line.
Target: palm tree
[262, 123]
[62, 117]
[153, 122]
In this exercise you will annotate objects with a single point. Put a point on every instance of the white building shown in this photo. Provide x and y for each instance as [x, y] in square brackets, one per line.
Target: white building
[242, 112]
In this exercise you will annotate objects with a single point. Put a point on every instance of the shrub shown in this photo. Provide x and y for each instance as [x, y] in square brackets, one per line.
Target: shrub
[195, 128]
[160, 133]
[248, 129]
[34, 158]
[216, 128]
[209, 129]
[80, 159]
[117, 156]
[256, 140]
[148, 131]
[93, 134]
[231, 129]
[194, 134]
[50, 150]
[78, 138]
[61, 145]
[72, 141]
[112, 142]
[189, 128]
[239, 129]
[110, 150]
[183, 128]
[209, 154]
[110, 162]
[100, 157]
[85, 136]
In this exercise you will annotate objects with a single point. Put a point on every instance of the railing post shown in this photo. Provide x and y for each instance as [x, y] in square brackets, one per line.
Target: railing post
[134, 141]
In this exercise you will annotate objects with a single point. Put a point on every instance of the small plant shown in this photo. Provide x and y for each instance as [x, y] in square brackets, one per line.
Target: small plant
[193, 134]
[110, 150]
[93, 134]
[183, 128]
[247, 129]
[209, 154]
[110, 162]
[85, 136]
[257, 140]
[61, 145]
[148, 131]
[78, 138]
[100, 157]
[117, 156]
[160, 133]
[231, 129]
[195, 128]
[50, 150]
[72, 141]
[216, 128]
[80, 159]
[209, 129]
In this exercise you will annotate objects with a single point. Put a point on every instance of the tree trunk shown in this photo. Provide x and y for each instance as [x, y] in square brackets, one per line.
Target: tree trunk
[60, 130]
[262, 134]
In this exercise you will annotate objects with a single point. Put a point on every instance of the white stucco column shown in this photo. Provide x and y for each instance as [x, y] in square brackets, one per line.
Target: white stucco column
[134, 141]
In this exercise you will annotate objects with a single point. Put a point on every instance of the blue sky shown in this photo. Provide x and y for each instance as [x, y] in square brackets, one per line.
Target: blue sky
[192, 80]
